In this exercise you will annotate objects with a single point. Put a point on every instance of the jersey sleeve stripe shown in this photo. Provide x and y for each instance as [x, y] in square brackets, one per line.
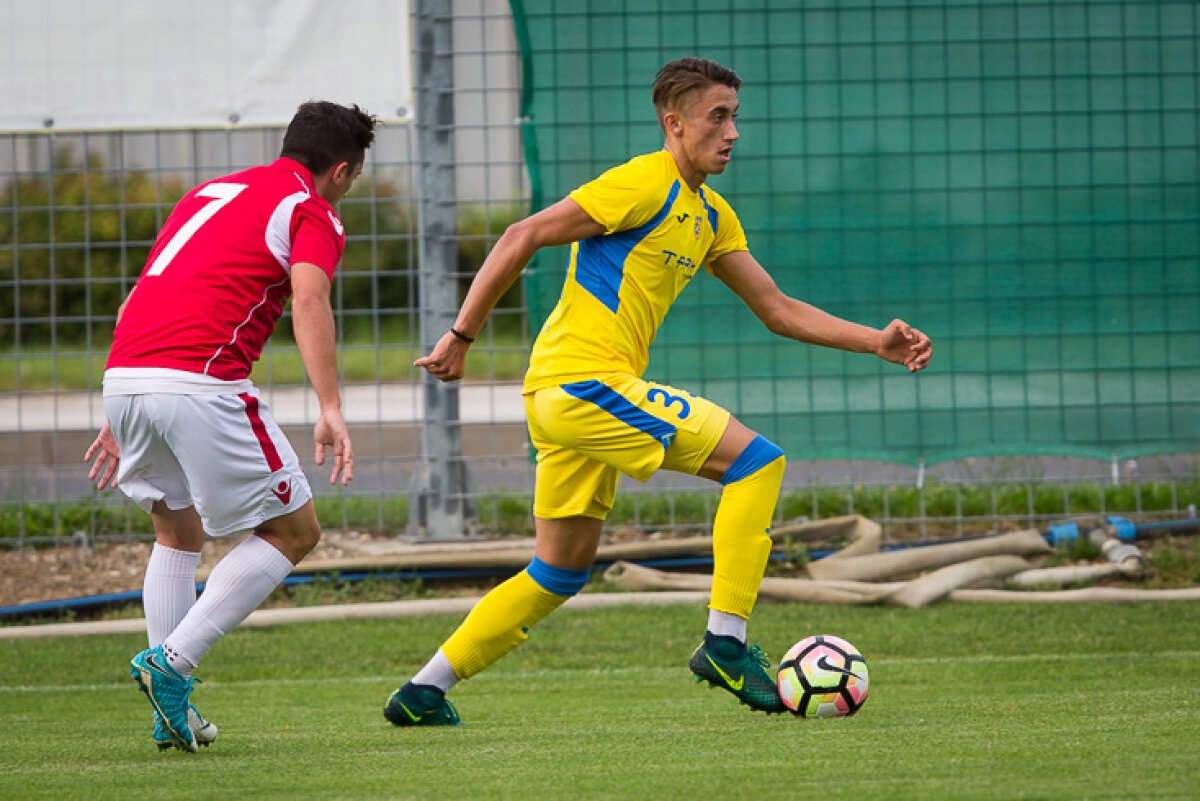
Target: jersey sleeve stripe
[713, 217]
[600, 261]
[279, 228]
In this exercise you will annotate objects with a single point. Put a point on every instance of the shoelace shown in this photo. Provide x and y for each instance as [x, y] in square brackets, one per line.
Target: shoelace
[757, 654]
[191, 683]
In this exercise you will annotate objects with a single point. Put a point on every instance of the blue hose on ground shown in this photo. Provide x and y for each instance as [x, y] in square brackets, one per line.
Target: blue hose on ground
[1122, 529]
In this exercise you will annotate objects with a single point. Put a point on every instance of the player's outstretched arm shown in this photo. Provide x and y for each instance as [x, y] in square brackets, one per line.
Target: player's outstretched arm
[898, 342]
[316, 336]
[560, 224]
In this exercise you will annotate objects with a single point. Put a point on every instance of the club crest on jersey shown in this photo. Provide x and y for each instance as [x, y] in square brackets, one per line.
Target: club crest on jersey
[337, 224]
[697, 227]
[283, 491]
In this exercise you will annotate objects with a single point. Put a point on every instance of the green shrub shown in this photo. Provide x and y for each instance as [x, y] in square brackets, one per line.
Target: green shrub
[377, 515]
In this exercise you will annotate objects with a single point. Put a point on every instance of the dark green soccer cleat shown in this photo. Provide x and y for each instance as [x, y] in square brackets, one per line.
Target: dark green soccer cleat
[726, 663]
[420, 705]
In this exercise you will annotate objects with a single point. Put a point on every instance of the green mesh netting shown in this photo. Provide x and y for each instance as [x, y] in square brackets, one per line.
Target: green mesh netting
[1019, 180]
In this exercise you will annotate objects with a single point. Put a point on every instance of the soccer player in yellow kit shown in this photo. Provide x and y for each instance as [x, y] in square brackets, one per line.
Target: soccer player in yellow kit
[640, 232]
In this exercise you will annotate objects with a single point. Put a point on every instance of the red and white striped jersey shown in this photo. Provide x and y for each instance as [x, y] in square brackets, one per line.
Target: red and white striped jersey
[220, 271]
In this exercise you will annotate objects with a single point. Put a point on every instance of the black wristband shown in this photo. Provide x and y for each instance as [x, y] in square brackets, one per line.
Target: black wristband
[461, 335]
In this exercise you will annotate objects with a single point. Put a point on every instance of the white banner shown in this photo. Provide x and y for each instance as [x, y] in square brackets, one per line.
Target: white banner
[121, 64]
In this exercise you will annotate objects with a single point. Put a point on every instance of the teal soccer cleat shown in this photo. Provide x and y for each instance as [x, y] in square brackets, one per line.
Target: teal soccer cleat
[168, 693]
[204, 731]
[420, 705]
[726, 663]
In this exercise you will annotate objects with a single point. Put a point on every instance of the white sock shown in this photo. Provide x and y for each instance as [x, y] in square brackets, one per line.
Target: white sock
[727, 624]
[168, 591]
[235, 588]
[437, 671]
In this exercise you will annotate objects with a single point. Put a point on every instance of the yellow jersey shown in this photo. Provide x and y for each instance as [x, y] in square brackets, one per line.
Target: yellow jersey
[620, 284]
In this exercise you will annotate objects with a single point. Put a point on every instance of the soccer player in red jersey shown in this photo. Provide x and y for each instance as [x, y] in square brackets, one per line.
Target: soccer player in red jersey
[187, 436]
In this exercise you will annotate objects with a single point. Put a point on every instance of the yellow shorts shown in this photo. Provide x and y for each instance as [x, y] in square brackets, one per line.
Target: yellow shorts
[586, 432]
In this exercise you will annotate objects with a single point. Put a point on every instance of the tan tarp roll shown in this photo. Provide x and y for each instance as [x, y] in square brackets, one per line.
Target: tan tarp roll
[1085, 595]
[942, 582]
[952, 583]
[1068, 574]
[870, 567]
[861, 534]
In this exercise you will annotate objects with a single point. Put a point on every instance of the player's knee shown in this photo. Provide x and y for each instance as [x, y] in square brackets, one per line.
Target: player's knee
[297, 542]
[295, 534]
[558, 580]
[308, 536]
[761, 454]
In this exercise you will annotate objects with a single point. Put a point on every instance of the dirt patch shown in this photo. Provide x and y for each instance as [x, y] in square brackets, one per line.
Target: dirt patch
[73, 570]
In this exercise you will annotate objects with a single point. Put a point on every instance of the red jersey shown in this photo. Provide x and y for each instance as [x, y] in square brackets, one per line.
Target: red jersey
[220, 271]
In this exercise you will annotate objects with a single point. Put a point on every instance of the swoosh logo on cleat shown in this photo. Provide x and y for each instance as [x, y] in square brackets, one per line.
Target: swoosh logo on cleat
[823, 664]
[735, 685]
[407, 711]
[153, 665]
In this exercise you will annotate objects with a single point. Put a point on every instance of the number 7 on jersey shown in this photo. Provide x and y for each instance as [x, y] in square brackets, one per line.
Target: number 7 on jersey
[220, 194]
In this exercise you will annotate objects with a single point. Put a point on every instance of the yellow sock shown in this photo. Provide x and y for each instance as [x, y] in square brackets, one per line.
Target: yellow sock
[499, 623]
[742, 538]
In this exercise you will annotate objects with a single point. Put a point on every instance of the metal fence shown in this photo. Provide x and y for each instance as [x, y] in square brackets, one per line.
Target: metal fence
[1018, 179]
[78, 213]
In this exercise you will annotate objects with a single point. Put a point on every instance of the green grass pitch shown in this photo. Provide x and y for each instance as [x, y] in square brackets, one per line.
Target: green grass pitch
[1071, 701]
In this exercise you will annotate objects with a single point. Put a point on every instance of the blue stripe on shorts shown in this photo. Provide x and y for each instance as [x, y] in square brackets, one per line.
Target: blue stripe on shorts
[619, 407]
[758, 454]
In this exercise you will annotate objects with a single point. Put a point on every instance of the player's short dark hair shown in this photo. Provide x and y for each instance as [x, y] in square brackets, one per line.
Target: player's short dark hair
[323, 134]
[679, 78]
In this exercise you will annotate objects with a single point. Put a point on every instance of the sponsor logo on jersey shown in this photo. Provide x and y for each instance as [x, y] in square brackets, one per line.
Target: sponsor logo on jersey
[680, 261]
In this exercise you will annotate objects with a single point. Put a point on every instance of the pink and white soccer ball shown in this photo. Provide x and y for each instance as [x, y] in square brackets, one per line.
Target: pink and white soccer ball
[823, 677]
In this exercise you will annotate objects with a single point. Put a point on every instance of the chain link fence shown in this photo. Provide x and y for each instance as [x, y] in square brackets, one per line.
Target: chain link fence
[79, 212]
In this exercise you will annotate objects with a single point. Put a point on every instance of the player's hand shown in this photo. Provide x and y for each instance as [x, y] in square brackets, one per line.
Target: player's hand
[330, 432]
[900, 343]
[108, 458]
[448, 360]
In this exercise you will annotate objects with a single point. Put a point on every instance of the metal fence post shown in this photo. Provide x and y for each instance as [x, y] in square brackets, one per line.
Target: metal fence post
[439, 509]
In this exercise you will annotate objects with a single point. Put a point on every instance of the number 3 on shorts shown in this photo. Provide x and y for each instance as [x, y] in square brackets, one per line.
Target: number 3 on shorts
[668, 400]
[220, 194]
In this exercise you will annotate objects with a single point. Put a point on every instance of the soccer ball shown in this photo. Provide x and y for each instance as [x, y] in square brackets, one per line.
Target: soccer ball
[823, 677]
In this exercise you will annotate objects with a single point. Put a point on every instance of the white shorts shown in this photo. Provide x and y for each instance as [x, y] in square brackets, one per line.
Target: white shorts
[222, 454]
